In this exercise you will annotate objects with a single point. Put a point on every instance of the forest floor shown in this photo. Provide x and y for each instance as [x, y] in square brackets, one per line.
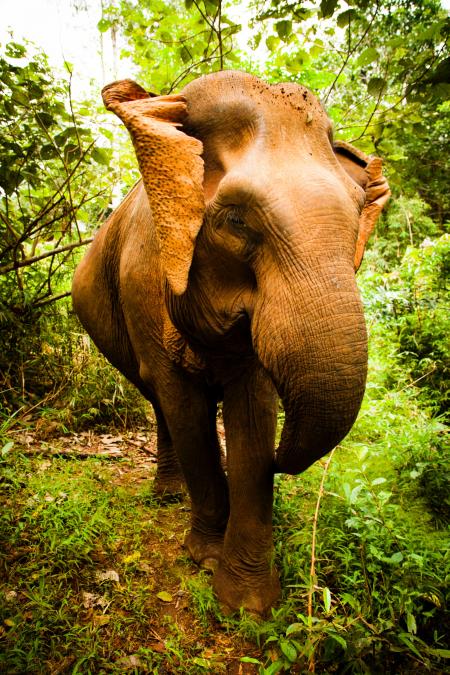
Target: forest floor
[127, 599]
[94, 577]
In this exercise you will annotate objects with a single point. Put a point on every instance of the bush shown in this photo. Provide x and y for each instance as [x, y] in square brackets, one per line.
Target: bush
[411, 303]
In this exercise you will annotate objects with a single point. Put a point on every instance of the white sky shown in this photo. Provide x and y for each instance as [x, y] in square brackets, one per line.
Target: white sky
[65, 35]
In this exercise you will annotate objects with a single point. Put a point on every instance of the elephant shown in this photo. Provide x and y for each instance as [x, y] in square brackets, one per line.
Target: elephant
[227, 276]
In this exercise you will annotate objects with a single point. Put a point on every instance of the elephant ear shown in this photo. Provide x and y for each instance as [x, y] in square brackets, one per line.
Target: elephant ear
[367, 172]
[171, 168]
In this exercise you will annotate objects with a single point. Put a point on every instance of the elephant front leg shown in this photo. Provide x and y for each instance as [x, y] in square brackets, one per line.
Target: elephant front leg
[246, 576]
[190, 412]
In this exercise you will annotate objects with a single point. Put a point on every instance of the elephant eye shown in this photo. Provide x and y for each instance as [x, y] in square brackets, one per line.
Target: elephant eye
[234, 219]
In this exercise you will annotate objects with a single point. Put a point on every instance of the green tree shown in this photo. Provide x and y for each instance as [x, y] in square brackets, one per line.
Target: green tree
[173, 42]
[53, 190]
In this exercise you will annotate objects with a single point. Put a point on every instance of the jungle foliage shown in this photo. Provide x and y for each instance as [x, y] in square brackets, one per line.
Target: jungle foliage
[360, 539]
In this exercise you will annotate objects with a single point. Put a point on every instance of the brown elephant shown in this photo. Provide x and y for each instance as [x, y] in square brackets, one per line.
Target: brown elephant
[228, 273]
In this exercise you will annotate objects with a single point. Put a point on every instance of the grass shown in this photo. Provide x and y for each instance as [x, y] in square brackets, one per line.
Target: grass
[94, 579]
[93, 574]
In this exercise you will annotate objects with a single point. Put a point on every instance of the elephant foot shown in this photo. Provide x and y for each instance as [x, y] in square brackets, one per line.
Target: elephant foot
[254, 593]
[169, 490]
[205, 550]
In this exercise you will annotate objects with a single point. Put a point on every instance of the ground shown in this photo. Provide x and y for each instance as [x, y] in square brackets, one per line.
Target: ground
[132, 600]
[94, 577]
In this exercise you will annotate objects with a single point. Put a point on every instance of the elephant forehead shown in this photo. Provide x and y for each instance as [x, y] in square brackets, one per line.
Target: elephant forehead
[229, 121]
[232, 104]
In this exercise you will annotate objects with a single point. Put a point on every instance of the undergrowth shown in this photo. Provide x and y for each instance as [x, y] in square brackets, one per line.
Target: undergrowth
[56, 377]
[78, 578]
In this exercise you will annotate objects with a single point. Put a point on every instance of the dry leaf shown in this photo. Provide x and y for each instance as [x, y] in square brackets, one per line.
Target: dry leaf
[131, 662]
[108, 575]
[10, 596]
[159, 647]
[89, 600]
[100, 619]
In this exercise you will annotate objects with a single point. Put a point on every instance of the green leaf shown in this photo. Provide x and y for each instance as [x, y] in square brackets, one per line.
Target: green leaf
[102, 156]
[288, 650]
[6, 448]
[338, 638]
[256, 40]
[211, 6]
[405, 638]
[284, 29]
[63, 137]
[9, 107]
[375, 87]
[378, 481]
[49, 151]
[185, 54]
[441, 73]
[395, 42]
[295, 63]
[346, 17]
[45, 119]
[9, 181]
[274, 668]
[350, 600]
[203, 663]
[315, 51]
[441, 653]
[232, 30]
[249, 659]
[107, 133]
[396, 558]
[355, 494]
[411, 623]
[72, 152]
[20, 96]
[272, 43]
[327, 599]
[14, 50]
[104, 25]
[164, 596]
[35, 91]
[369, 55]
[432, 31]
[327, 7]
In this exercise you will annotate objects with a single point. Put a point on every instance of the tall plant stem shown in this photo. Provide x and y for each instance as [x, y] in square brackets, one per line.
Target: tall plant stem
[312, 570]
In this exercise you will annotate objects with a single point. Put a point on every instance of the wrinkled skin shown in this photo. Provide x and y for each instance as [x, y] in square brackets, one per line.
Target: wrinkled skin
[229, 273]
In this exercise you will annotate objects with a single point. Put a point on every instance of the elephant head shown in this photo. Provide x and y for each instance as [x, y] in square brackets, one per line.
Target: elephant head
[262, 222]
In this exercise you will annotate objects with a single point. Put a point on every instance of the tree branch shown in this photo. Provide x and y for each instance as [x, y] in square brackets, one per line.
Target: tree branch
[30, 261]
[351, 51]
[53, 298]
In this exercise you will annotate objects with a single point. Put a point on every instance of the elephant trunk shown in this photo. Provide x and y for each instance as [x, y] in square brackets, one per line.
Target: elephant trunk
[316, 354]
